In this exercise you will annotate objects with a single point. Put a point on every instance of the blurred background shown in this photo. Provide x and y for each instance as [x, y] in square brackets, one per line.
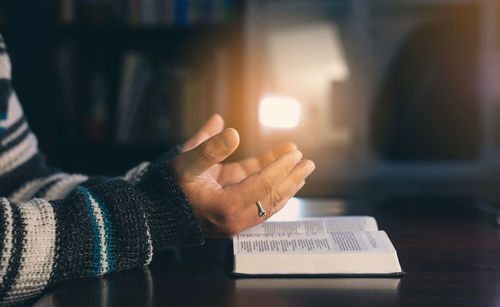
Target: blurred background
[388, 97]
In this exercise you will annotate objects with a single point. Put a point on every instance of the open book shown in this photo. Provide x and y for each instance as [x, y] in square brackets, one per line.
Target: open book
[348, 245]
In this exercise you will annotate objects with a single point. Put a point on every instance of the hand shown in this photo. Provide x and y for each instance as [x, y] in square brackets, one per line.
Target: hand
[223, 196]
[213, 126]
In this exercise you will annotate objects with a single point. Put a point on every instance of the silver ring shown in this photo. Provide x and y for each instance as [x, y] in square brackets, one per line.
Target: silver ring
[262, 212]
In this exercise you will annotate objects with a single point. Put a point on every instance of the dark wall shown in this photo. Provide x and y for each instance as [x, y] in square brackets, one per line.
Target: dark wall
[28, 30]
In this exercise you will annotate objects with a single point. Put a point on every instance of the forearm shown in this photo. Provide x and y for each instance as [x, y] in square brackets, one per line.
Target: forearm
[93, 231]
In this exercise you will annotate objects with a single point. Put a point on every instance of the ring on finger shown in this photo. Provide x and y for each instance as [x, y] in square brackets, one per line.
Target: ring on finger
[262, 212]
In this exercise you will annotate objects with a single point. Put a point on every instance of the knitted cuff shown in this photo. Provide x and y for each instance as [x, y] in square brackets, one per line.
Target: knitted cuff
[171, 219]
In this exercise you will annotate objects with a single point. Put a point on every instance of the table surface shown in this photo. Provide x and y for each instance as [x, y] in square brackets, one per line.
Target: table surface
[449, 249]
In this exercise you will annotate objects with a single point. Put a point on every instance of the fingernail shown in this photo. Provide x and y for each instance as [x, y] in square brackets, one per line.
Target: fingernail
[230, 138]
[310, 167]
[291, 146]
[298, 154]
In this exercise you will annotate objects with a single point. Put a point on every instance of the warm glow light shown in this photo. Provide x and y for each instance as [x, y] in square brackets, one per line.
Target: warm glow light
[279, 112]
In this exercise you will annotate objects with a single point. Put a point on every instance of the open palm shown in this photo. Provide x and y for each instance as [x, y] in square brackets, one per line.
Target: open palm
[222, 195]
[230, 173]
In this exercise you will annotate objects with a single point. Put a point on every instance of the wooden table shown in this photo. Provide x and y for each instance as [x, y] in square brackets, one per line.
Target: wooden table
[449, 249]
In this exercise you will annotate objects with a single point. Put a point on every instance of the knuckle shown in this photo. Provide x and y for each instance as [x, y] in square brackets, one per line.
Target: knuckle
[275, 197]
[207, 152]
[266, 185]
[271, 212]
[279, 203]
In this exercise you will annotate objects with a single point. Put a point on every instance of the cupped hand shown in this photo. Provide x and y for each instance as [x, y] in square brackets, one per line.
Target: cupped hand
[223, 196]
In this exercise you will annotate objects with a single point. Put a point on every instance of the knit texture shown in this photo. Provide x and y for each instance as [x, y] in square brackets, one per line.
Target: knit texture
[56, 226]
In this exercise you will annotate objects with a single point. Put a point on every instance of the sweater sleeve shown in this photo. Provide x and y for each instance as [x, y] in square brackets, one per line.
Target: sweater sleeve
[93, 231]
[56, 226]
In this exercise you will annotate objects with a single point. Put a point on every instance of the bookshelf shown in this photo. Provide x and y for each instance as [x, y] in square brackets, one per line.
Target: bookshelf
[131, 82]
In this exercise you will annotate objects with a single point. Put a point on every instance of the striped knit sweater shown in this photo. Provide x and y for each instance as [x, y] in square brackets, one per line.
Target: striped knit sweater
[56, 226]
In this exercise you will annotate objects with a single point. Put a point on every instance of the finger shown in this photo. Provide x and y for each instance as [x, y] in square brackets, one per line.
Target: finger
[251, 214]
[234, 172]
[254, 164]
[286, 189]
[208, 153]
[212, 126]
[258, 186]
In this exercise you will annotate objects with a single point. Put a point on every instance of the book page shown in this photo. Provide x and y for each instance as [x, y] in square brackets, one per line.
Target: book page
[313, 243]
[314, 225]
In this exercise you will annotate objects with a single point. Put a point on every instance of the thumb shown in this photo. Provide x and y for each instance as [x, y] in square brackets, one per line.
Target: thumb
[214, 150]
[211, 127]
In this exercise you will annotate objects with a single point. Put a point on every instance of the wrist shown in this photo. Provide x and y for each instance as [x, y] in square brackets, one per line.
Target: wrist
[171, 219]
